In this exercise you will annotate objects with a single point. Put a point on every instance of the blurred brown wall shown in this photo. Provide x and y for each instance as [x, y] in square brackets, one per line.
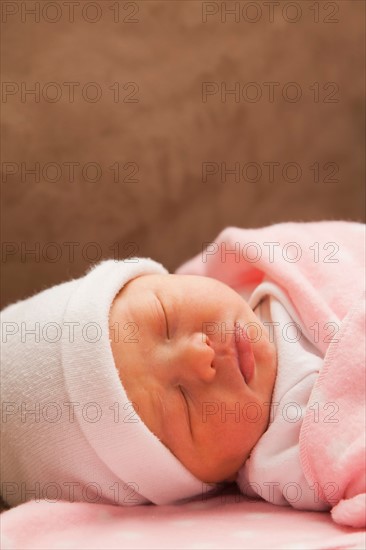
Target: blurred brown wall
[164, 127]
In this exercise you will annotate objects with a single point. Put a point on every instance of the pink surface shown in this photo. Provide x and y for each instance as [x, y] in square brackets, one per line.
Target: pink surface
[228, 520]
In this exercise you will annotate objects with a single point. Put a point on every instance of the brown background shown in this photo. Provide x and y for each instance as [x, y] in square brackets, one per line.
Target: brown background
[170, 132]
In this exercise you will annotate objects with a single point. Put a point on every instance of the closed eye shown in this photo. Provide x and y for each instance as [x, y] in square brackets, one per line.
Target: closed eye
[187, 409]
[166, 319]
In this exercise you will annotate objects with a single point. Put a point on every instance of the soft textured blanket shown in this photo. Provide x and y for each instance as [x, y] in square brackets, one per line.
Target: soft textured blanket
[226, 521]
[321, 268]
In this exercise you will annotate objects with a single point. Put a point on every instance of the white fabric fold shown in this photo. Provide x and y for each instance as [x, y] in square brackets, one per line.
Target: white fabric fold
[273, 470]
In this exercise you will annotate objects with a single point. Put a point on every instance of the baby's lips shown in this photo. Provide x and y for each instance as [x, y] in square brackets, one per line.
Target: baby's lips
[246, 357]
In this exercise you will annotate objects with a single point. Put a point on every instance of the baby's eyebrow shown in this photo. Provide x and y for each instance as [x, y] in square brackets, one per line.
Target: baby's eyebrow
[165, 318]
[162, 404]
[163, 415]
[158, 404]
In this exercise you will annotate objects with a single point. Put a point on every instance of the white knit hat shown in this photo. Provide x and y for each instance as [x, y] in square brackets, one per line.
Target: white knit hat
[68, 429]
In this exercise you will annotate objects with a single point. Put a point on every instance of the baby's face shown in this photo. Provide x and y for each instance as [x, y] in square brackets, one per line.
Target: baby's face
[181, 371]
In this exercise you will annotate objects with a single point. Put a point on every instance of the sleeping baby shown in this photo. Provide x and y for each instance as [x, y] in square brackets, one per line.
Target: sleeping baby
[133, 386]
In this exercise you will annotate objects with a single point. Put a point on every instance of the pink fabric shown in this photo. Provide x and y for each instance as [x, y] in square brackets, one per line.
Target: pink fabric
[327, 286]
[227, 521]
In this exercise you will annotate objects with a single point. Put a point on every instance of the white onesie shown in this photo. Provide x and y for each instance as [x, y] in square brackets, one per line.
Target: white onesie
[273, 469]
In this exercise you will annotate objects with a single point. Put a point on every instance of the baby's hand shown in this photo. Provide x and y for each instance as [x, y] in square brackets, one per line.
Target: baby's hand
[351, 510]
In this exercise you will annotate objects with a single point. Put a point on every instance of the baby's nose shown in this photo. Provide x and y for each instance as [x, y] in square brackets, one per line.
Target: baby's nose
[197, 358]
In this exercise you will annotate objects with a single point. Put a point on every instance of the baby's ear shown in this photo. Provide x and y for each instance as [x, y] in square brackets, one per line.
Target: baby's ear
[351, 511]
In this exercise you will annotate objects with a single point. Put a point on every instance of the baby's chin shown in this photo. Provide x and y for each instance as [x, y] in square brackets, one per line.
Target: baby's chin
[231, 479]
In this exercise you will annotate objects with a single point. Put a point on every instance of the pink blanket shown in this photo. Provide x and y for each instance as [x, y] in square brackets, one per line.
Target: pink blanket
[227, 521]
[321, 267]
